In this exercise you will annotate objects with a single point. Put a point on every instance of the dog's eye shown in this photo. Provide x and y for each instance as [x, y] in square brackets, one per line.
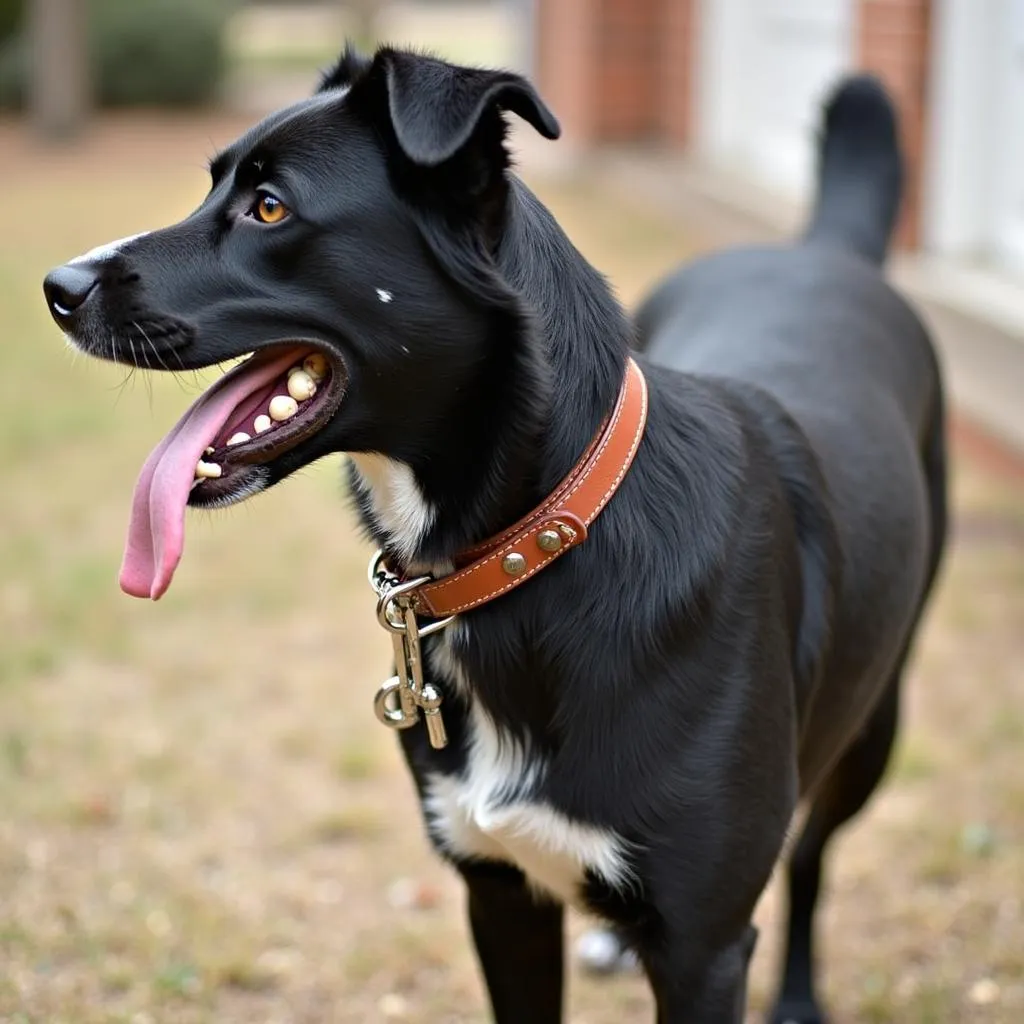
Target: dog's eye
[269, 209]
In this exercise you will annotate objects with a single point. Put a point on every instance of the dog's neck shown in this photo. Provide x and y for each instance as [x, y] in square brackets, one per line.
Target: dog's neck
[558, 379]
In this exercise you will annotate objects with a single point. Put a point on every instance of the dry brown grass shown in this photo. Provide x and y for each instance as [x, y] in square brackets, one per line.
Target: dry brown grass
[201, 820]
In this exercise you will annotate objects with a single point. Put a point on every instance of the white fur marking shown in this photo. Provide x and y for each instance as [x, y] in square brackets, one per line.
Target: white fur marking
[397, 504]
[442, 659]
[108, 251]
[384, 295]
[486, 812]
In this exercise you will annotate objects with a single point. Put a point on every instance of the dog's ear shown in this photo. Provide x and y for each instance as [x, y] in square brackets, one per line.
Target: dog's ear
[349, 68]
[436, 108]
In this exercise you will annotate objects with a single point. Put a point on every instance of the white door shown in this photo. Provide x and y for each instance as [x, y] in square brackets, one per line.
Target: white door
[766, 67]
[1006, 225]
[974, 185]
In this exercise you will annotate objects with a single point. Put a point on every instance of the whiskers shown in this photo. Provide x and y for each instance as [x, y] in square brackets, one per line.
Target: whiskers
[258, 480]
[155, 361]
[129, 378]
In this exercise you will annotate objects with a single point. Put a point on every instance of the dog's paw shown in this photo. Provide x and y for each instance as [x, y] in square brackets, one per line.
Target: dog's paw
[797, 1012]
[601, 952]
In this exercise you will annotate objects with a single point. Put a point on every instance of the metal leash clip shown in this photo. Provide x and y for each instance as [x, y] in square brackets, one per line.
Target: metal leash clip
[402, 697]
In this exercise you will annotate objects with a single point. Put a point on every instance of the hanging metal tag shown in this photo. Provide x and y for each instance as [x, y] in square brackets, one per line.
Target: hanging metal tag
[399, 701]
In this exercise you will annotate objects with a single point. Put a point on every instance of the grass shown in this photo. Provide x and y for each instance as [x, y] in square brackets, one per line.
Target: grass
[202, 820]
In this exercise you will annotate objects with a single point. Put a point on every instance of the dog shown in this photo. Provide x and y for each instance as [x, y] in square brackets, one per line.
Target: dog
[630, 731]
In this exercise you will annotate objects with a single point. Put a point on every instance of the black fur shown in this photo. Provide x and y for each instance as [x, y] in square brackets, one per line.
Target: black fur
[731, 635]
[860, 173]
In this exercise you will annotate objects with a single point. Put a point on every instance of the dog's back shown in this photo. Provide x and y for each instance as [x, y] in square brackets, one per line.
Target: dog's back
[814, 326]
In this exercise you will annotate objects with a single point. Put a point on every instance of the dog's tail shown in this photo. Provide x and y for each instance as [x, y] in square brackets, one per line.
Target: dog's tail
[860, 169]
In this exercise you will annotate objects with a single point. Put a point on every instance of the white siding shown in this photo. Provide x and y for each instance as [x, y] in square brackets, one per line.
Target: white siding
[974, 202]
[765, 67]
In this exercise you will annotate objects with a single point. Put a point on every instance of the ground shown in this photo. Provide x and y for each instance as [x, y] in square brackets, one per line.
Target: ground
[202, 820]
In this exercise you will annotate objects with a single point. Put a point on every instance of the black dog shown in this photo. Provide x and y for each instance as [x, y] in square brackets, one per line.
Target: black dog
[631, 730]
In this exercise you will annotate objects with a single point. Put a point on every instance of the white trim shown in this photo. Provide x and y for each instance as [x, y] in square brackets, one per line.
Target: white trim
[720, 27]
[972, 188]
[764, 69]
[958, 179]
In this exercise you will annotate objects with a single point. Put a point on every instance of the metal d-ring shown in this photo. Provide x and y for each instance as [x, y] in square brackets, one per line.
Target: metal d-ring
[436, 626]
[390, 597]
[388, 589]
[393, 716]
[377, 572]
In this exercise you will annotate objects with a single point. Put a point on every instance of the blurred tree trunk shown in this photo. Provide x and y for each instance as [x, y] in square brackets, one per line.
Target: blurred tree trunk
[364, 22]
[59, 97]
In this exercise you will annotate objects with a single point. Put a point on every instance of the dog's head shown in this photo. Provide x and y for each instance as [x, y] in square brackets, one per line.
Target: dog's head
[352, 235]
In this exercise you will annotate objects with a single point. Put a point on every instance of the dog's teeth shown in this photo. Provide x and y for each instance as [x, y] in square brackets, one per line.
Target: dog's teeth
[316, 366]
[282, 407]
[262, 423]
[210, 450]
[301, 386]
[207, 470]
[240, 438]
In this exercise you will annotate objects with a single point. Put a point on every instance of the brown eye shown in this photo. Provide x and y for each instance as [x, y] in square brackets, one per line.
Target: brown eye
[269, 210]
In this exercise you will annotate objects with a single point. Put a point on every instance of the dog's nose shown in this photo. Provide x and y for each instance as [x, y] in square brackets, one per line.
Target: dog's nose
[67, 289]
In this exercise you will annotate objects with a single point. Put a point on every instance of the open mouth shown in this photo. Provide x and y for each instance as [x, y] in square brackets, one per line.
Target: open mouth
[217, 452]
[271, 417]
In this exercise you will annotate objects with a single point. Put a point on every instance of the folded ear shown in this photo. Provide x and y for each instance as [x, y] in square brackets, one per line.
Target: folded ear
[436, 107]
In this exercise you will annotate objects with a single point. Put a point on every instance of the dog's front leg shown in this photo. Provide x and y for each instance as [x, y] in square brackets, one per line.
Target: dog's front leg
[519, 941]
[713, 993]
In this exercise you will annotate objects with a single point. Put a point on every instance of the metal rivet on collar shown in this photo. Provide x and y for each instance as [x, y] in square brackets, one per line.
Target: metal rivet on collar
[549, 540]
[514, 564]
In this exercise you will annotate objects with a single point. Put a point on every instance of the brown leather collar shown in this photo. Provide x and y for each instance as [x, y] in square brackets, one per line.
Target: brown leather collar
[557, 525]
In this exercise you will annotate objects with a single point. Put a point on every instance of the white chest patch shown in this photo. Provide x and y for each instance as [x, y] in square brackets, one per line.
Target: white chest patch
[490, 812]
[397, 504]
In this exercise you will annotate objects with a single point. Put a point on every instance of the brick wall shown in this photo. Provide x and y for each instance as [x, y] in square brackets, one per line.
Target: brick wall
[678, 45]
[624, 71]
[893, 42]
[628, 64]
[567, 69]
[618, 70]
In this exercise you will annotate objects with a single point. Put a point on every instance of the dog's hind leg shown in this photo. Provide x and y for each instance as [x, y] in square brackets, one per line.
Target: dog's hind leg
[854, 777]
[843, 793]
[519, 942]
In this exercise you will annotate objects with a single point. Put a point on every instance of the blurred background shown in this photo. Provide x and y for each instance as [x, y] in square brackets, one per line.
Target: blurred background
[200, 819]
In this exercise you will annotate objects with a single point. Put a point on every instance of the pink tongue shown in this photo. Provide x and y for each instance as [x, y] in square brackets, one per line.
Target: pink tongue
[156, 534]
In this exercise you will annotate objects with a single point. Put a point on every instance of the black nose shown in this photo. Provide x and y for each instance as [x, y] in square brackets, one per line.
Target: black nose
[67, 288]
